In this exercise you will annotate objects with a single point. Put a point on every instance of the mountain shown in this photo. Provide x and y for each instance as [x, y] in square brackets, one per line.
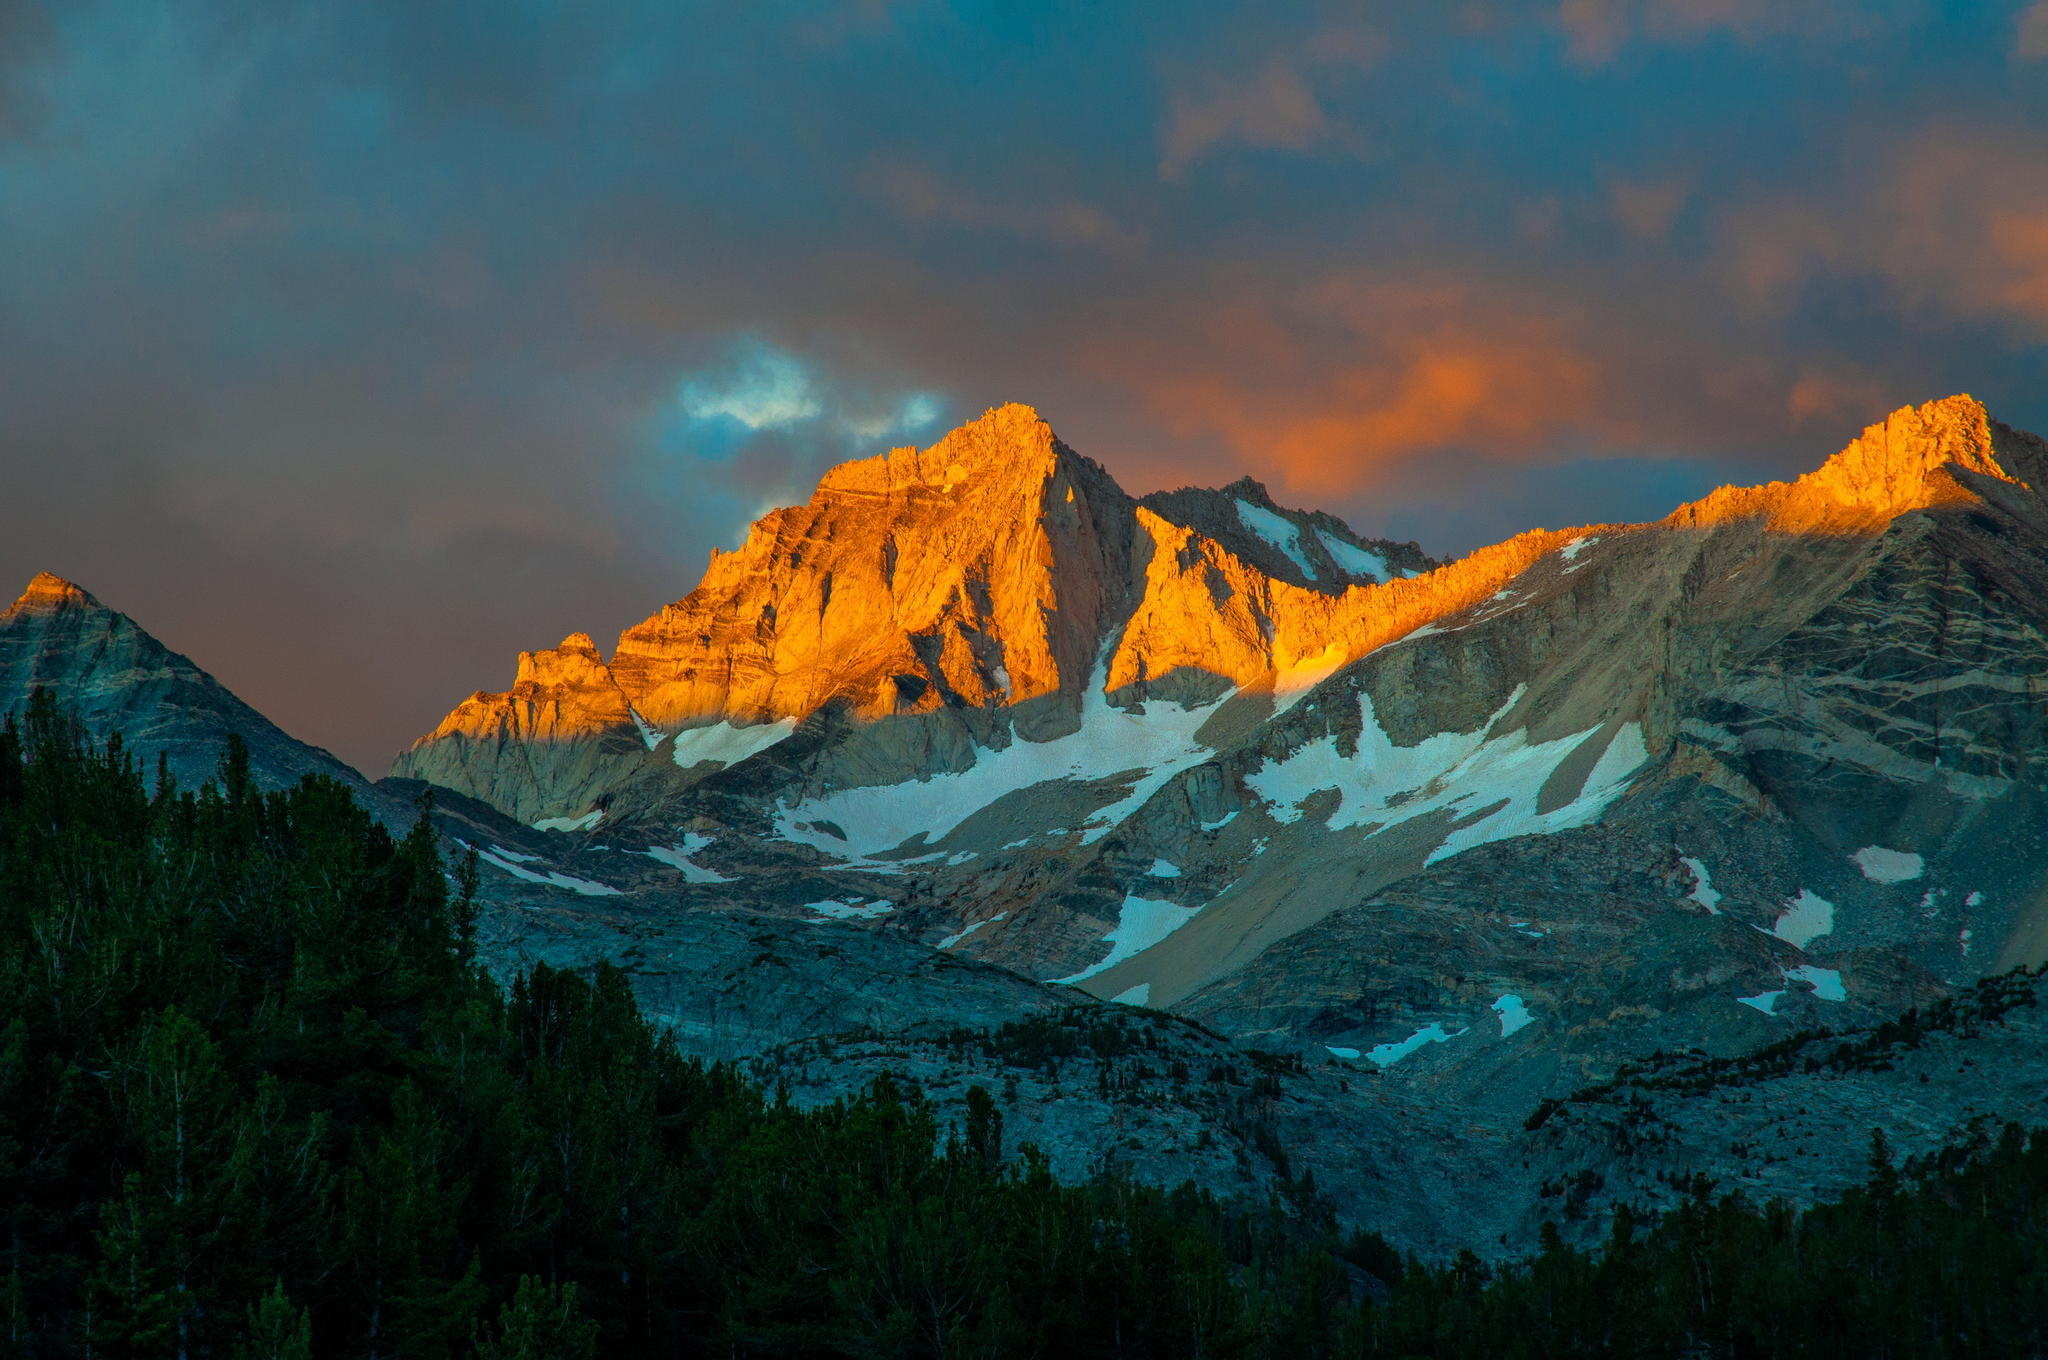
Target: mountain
[1487, 829]
[729, 983]
[1488, 891]
[115, 677]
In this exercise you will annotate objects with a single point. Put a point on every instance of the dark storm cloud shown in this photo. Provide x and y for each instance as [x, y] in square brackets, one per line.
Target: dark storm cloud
[353, 346]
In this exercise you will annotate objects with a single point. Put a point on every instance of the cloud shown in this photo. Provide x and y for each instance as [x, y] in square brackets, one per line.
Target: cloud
[372, 342]
[1647, 210]
[919, 196]
[760, 387]
[2030, 36]
[1952, 222]
[1276, 107]
[1596, 31]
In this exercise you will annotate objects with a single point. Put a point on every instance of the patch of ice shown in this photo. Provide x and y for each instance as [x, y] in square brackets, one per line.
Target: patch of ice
[1570, 551]
[1161, 869]
[960, 857]
[724, 744]
[1134, 996]
[1489, 782]
[1227, 819]
[1386, 1055]
[1142, 923]
[1354, 559]
[866, 911]
[1150, 745]
[1807, 917]
[1767, 1002]
[1342, 1052]
[1702, 886]
[551, 879]
[1880, 865]
[502, 853]
[583, 823]
[677, 857]
[1278, 530]
[1513, 1013]
[952, 940]
[1826, 982]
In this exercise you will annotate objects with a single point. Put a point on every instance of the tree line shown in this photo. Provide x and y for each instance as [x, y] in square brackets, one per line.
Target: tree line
[260, 1101]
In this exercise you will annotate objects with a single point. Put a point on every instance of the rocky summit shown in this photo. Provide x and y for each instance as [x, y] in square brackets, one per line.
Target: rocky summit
[1477, 862]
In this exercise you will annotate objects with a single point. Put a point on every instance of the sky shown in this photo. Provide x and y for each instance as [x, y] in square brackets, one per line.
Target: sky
[352, 347]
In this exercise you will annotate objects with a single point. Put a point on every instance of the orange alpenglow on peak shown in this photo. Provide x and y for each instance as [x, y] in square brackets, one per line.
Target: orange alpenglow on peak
[1915, 458]
[50, 592]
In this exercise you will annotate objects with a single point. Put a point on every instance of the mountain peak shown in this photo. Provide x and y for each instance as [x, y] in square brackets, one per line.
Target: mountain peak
[1007, 442]
[1917, 457]
[48, 593]
[1890, 467]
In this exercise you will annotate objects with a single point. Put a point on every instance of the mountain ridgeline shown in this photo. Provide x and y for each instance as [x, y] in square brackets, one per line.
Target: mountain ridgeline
[1461, 902]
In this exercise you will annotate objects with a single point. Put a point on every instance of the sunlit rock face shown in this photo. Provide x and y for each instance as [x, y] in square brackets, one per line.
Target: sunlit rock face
[991, 571]
[1943, 453]
[982, 570]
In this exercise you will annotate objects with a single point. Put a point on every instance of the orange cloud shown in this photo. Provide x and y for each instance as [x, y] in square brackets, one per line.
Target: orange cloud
[1365, 374]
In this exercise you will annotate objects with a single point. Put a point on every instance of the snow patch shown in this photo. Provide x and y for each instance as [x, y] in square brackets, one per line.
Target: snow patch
[1354, 559]
[1570, 551]
[583, 823]
[1152, 745]
[1490, 782]
[1227, 819]
[493, 857]
[1767, 1002]
[649, 733]
[722, 743]
[1975, 899]
[1134, 996]
[1807, 917]
[1513, 1013]
[1880, 865]
[677, 857]
[866, 911]
[1142, 923]
[1161, 869]
[1278, 530]
[1342, 1052]
[1702, 886]
[1826, 982]
[1386, 1055]
[1963, 941]
[952, 940]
